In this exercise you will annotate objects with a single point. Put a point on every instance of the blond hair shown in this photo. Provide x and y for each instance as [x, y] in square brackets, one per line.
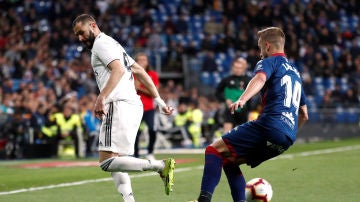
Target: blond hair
[273, 35]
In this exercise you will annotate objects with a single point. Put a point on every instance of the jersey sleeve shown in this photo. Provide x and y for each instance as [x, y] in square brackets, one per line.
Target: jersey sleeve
[126, 59]
[107, 52]
[303, 100]
[263, 66]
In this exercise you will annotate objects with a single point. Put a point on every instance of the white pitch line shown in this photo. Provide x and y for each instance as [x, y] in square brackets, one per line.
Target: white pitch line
[317, 152]
[69, 184]
[284, 156]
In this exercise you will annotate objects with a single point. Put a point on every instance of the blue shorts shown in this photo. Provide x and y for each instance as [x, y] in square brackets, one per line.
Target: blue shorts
[255, 143]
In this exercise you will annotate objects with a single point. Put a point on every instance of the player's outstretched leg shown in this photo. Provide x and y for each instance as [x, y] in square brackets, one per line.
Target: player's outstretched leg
[126, 164]
[167, 175]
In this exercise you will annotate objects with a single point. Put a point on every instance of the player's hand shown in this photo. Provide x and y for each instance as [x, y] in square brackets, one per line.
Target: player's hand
[99, 108]
[166, 110]
[234, 106]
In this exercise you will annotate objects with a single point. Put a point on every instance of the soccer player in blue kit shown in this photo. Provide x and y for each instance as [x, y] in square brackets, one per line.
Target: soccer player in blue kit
[272, 133]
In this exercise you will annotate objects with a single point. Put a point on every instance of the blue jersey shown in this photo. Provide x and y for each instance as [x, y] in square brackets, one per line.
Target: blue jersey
[282, 95]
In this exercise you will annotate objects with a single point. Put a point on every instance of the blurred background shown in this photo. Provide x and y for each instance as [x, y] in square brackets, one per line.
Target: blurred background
[48, 89]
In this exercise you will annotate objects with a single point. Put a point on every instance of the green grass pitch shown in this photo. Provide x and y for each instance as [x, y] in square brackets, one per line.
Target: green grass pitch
[314, 172]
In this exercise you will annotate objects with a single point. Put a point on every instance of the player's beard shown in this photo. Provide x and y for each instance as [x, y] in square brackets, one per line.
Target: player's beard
[90, 41]
[263, 54]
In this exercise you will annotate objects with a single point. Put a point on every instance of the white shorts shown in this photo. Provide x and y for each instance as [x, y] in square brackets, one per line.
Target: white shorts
[120, 126]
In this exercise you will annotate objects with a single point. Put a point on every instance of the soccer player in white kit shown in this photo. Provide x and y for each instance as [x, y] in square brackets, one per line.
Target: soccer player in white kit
[119, 107]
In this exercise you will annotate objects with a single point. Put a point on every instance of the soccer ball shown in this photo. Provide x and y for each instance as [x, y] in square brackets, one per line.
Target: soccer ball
[258, 189]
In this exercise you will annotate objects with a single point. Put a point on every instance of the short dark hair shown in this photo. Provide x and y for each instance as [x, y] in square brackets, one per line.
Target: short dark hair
[83, 18]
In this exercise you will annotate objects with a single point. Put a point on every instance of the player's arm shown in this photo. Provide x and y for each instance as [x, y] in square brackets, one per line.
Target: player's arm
[145, 79]
[303, 116]
[303, 111]
[141, 89]
[254, 86]
[116, 73]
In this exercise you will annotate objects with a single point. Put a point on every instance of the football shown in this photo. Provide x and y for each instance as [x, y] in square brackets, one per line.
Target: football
[258, 189]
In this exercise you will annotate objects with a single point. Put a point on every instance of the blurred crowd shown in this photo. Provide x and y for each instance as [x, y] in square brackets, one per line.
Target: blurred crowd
[44, 70]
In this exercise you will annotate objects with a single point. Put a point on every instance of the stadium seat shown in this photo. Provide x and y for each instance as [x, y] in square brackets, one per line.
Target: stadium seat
[216, 78]
[351, 115]
[340, 115]
[314, 115]
[344, 84]
[205, 78]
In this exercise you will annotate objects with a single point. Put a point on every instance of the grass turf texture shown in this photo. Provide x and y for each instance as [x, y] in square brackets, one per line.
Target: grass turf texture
[296, 176]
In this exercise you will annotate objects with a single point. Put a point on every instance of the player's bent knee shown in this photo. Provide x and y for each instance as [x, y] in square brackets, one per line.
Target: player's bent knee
[212, 150]
[220, 146]
[104, 165]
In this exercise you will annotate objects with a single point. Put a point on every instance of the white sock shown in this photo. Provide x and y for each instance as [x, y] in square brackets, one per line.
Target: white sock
[123, 185]
[127, 163]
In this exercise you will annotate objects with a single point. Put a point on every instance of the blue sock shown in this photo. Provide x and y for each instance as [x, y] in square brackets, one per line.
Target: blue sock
[212, 172]
[236, 181]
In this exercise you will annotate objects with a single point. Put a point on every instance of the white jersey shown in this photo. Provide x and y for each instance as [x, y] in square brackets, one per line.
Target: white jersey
[104, 51]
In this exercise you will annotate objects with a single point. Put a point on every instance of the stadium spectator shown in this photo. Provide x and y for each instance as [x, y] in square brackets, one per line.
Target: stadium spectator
[173, 59]
[230, 9]
[209, 63]
[336, 95]
[181, 25]
[195, 121]
[198, 7]
[211, 124]
[243, 40]
[207, 43]
[37, 121]
[221, 46]
[169, 26]
[307, 81]
[355, 78]
[213, 27]
[155, 42]
[327, 114]
[350, 98]
[191, 49]
[230, 89]
[69, 128]
[7, 103]
[7, 86]
[90, 123]
[149, 108]
[181, 121]
[49, 130]
[16, 131]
